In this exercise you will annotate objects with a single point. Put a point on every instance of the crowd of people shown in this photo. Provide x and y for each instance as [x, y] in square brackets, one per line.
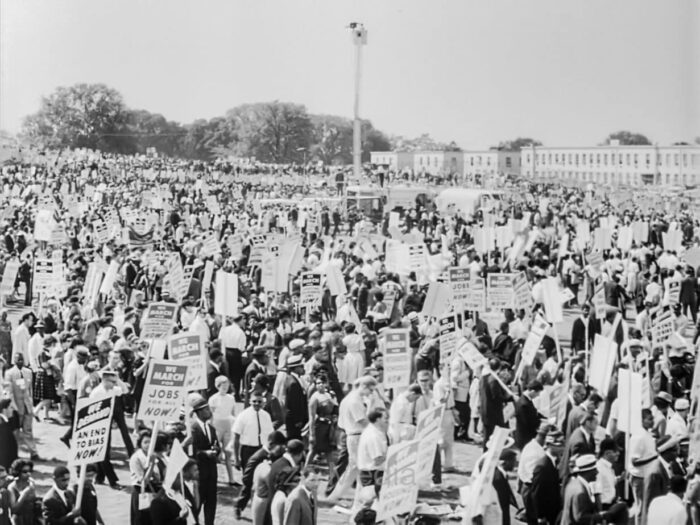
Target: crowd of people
[295, 393]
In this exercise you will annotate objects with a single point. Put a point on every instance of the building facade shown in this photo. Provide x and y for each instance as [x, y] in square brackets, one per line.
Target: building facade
[614, 164]
[487, 163]
[393, 160]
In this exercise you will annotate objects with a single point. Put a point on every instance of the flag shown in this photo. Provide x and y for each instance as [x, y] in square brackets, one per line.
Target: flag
[139, 240]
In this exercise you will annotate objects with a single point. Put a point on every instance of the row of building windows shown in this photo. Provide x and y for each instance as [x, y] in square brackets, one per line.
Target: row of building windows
[621, 178]
[605, 159]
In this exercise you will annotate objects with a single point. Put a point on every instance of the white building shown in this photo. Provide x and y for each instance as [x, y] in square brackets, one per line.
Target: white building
[487, 163]
[614, 164]
[393, 160]
[438, 162]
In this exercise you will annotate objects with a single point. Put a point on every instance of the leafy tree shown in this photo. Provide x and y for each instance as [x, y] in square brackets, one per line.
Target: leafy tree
[628, 138]
[83, 115]
[422, 143]
[518, 144]
[372, 140]
[332, 139]
[147, 130]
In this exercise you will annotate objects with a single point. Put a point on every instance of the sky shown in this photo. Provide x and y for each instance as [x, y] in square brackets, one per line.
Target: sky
[565, 72]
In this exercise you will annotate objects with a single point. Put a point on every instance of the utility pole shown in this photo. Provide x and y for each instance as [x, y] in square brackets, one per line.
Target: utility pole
[359, 38]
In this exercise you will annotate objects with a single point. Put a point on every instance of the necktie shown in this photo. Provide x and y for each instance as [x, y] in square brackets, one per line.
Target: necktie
[257, 414]
[413, 414]
[313, 504]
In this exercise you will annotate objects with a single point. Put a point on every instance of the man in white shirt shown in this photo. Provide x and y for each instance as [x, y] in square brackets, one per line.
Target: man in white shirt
[642, 453]
[460, 377]
[677, 425]
[107, 388]
[234, 344]
[372, 448]
[21, 336]
[35, 346]
[607, 480]
[352, 420]
[669, 509]
[401, 425]
[250, 429]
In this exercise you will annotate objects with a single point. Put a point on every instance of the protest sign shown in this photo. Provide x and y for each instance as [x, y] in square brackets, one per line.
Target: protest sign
[399, 490]
[484, 479]
[534, 339]
[43, 275]
[110, 277]
[500, 294]
[448, 337]
[226, 294]
[310, 296]
[629, 404]
[44, 225]
[163, 392]
[428, 434]
[189, 349]
[397, 358]
[476, 300]
[416, 257]
[471, 354]
[335, 280]
[92, 426]
[9, 276]
[437, 300]
[674, 292]
[552, 300]
[93, 279]
[603, 356]
[459, 285]
[158, 320]
[523, 293]
[177, 460]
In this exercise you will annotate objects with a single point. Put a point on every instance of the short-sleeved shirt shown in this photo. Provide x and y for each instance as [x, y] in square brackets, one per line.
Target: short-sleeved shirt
[352, 410]
[373, 445]
[246, 426]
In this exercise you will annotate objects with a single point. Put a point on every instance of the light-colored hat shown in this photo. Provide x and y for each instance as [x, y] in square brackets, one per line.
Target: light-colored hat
[584, 463]
[681, 404]
[296, 343]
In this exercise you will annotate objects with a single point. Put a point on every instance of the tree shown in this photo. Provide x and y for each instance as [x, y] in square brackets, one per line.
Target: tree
[422, 143]
[518, 144]
[332, 139]
[372, 140]
[147, 130]
[628, 138]
[83, 115]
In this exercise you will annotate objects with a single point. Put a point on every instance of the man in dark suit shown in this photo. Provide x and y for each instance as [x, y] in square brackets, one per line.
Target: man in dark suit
[579, 443]
[214, 370]
[506, 498]
[544, 503]
[301, 507]
[8, 425]
[493, 398]
[205, 450]
[582, 326]
[657, 480]
[296, 405]
[190, 488]
[165, 510]
[273, 450]
[527, 418]
[580, 507]
[58, 505]
[284, 467]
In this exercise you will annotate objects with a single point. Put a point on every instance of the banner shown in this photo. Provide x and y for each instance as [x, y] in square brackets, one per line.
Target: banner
[399, 490]
[164, 392]
[189, 349]
[397, 358]
[158, 320]
[523, 293]
[91, 429]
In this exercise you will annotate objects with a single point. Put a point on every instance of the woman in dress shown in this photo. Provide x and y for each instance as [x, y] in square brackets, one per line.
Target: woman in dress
[146, 476]
[223, 405]
[45, 382]
[323, 415]
[23, 499]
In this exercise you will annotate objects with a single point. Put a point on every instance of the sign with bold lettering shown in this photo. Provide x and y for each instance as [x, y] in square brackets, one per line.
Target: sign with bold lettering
[397, 359]
[158, 320]
[448, 337]
[190, 350]
[164, 391]
[399, 491]
[91, 430]
[310, 290]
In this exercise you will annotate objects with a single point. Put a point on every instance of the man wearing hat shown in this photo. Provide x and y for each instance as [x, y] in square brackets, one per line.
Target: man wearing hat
[677, 425]
[580, 507]
[258, 365]
[108, 387]
[657, 478]
[296, 404]
[36, 345]
[543, 497]
[205, 449]
[662, 402]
